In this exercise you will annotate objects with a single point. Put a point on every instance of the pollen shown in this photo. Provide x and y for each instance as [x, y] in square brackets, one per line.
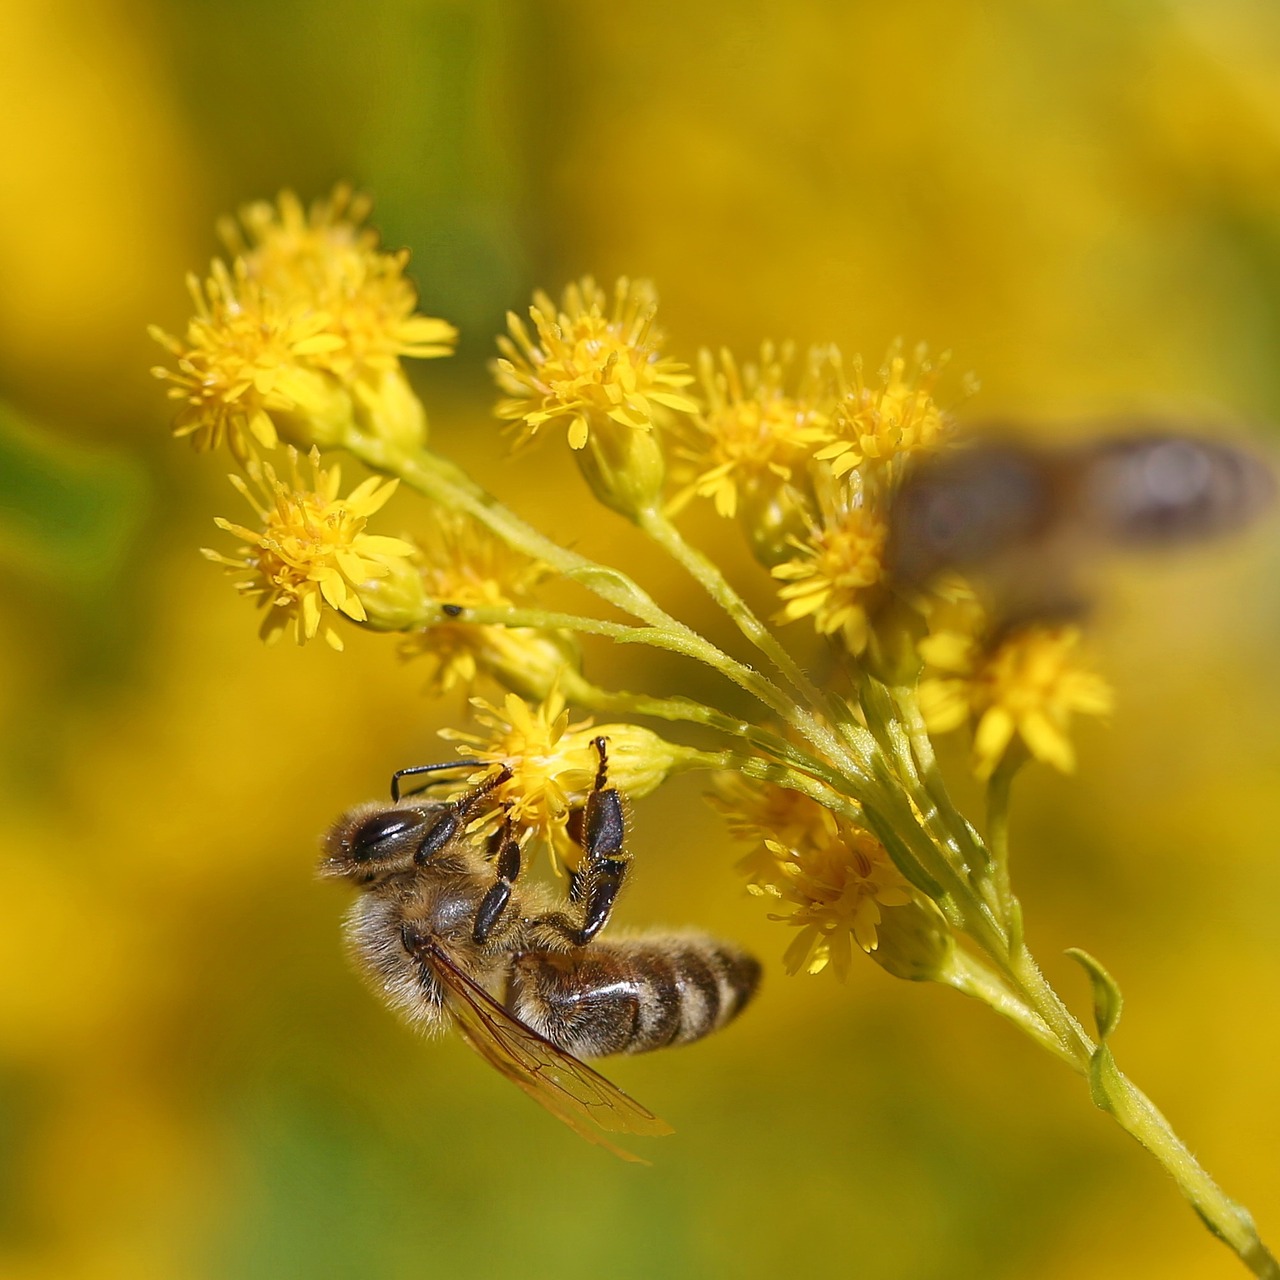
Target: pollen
[587, 365]
[307, 561]
[753, 431]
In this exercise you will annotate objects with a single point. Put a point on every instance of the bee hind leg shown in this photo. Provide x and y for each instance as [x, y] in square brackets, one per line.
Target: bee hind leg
[594, 886]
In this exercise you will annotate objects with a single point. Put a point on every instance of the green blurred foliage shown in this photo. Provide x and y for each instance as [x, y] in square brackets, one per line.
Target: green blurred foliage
[1080, 200]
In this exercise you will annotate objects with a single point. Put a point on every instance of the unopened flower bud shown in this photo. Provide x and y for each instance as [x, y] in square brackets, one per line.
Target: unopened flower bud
[527, 660]
[389, 410]
[624, 467]
[395, 601]
[916, 942]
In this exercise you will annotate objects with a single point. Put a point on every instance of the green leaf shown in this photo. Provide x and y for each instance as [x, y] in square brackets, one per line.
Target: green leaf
[1107, 1000]
[1105, 1086]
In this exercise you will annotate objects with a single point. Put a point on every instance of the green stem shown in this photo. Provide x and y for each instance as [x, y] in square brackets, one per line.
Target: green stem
[1138, 1116]
[1231, 1222]
[998, 788]
[440, 480]
[1025, 998]
[581, 691]
[448, 485]
[657, 526]
[967, 974]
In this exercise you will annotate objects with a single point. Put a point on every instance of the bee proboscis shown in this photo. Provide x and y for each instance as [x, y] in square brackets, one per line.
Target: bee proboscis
[448, 939]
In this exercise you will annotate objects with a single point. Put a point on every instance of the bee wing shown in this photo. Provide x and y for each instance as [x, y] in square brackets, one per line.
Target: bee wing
[574, 1093]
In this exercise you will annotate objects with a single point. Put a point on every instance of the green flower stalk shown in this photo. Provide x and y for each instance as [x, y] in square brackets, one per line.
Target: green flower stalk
[852, 838]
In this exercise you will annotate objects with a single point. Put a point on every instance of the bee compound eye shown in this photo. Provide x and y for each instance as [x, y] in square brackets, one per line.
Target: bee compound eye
[373, 836]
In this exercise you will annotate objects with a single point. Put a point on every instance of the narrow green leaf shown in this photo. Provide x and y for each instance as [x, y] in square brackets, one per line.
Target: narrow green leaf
[1104, 1081]
[1107, 1000]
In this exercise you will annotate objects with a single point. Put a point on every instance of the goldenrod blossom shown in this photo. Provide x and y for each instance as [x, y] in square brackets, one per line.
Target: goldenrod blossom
[588, 367]
[763, 812]
[463, 564]
[839, 565]
[303, 335]
[311, 553]
[1028, 686]
[248, 362]
[753, 432]
[553, 766]
[899, 416]
[836, 884]
[329, 258]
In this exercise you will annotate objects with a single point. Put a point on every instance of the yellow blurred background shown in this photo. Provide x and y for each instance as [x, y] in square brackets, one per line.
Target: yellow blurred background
[1081, 200]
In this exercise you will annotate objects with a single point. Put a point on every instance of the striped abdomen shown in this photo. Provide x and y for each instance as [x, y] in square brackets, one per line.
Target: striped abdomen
[633, 994]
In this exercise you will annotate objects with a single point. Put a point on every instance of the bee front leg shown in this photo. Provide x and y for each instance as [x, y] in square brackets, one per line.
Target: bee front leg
[495, 900]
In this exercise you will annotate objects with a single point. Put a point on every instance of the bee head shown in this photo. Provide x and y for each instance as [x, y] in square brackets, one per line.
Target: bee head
[375, 840]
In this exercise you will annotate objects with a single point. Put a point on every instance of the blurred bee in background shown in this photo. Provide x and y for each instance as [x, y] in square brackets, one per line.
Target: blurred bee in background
[1028, 522]
[444, 935]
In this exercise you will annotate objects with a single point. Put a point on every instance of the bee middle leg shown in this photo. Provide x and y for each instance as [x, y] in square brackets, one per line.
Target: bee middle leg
[495, 900]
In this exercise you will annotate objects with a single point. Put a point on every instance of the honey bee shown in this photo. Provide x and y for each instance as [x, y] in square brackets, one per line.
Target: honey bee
[1027, 521]
[445, 936]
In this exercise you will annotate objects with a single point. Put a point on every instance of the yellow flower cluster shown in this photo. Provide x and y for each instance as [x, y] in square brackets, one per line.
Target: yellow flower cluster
[833, 576]
[464, 566]
[752, 433]
[897, 418]
[809, 458]
[587, 365]
[311, 552]
[834, 875]
[553, 766]
[302, 336]
[1019, 687]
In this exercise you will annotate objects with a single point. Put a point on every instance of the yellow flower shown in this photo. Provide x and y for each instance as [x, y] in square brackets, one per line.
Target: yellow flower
[463, 564]
[753, 432]
[329, 258]
[1027, 687]
[836, 883]
[553, 766]
[246, 363]
[311, 554]
[763, 812]
[839, 565]
[588, 366]
[900, 416]
[302, 336]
